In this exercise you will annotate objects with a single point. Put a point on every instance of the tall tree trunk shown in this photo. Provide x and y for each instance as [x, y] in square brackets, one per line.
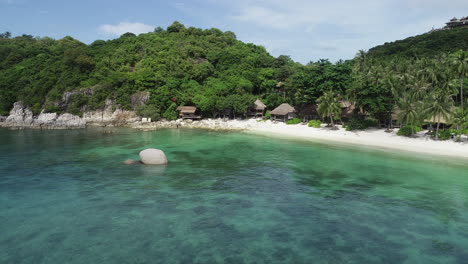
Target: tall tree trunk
[461, 92]
[333, 124]
[437, 130]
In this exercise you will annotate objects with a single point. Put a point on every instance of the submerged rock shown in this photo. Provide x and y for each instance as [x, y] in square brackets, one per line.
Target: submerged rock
[153, 157]
[130, 162]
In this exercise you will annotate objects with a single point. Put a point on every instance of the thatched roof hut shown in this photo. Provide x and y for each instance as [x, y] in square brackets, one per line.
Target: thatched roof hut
[442, 120]
[395, 114]
[308, 111]
[345, 103]
[283, 112]
[435, 119]
[187, 109]
[283, 109]
[257, 109]
[347, 108]
[259, 105]
[188, 112]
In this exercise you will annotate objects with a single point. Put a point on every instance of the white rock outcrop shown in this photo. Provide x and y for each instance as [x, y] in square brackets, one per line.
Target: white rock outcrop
[109, 116]
[69, 121]
[153, 157]
[20, 115]
[45, 119]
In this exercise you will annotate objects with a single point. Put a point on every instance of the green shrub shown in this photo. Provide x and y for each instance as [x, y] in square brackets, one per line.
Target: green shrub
[407, 131]
[171, 112]
[51, 108]
[446, 134]
[149, 111]
[465, 131]
[293, 121]
[454, 131]
[314, 123]
[36, 108]
[267, 115]
[76, 103]
[360, 124]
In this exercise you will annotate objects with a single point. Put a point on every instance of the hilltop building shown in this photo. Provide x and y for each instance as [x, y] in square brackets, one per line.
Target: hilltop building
[455, 23]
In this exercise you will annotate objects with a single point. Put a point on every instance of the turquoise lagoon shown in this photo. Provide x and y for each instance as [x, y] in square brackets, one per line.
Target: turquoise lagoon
[225, 197]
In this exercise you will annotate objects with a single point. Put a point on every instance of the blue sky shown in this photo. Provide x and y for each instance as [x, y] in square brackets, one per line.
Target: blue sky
[304, 29]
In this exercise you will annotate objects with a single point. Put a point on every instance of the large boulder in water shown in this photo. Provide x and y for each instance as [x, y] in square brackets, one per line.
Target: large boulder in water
[153, 157]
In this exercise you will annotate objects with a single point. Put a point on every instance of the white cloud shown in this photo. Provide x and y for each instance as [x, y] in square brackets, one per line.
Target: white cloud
[124, 27]
[335, 28]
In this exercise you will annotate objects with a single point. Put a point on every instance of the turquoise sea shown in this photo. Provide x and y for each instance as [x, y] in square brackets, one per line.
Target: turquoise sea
[225, 197]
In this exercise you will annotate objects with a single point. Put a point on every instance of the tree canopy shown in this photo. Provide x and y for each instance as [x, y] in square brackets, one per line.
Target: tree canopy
[219, 74]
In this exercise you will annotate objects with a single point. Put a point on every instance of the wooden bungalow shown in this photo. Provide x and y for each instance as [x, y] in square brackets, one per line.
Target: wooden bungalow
[431, 121]
[283, 113]
[279, 87]
[257, 109]
[455, 22]
[440, 119]
[347, 109]
[188, 112]
[394, 116]
[308, 112]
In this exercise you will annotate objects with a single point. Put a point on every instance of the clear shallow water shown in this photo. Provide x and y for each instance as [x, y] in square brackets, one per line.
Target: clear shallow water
[65, 197]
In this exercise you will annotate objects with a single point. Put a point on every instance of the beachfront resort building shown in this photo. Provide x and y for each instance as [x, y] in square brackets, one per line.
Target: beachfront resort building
[284, 112]
[257, 109]
[188, 112]
[347, 109]
[456, 23]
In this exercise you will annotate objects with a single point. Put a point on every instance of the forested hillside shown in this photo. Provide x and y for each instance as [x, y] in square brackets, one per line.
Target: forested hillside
[178, 66]
[426, 45]
[219, 74]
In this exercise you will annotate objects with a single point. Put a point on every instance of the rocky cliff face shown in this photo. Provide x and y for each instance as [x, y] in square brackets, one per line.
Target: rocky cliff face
[108, 116]
[22, 116]
[19, 116]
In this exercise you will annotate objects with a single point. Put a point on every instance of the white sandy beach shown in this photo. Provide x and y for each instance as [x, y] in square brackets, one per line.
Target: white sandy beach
[376, 138]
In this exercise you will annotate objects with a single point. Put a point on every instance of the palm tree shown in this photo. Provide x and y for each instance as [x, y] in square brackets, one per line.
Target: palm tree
[409, 112]
[438, 106]
[361, 61]
[329, 106]
[460, 119]
[460, 62]
[419, 89]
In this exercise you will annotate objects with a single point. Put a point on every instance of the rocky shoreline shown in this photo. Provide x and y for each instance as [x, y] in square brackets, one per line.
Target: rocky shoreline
[22, 117]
